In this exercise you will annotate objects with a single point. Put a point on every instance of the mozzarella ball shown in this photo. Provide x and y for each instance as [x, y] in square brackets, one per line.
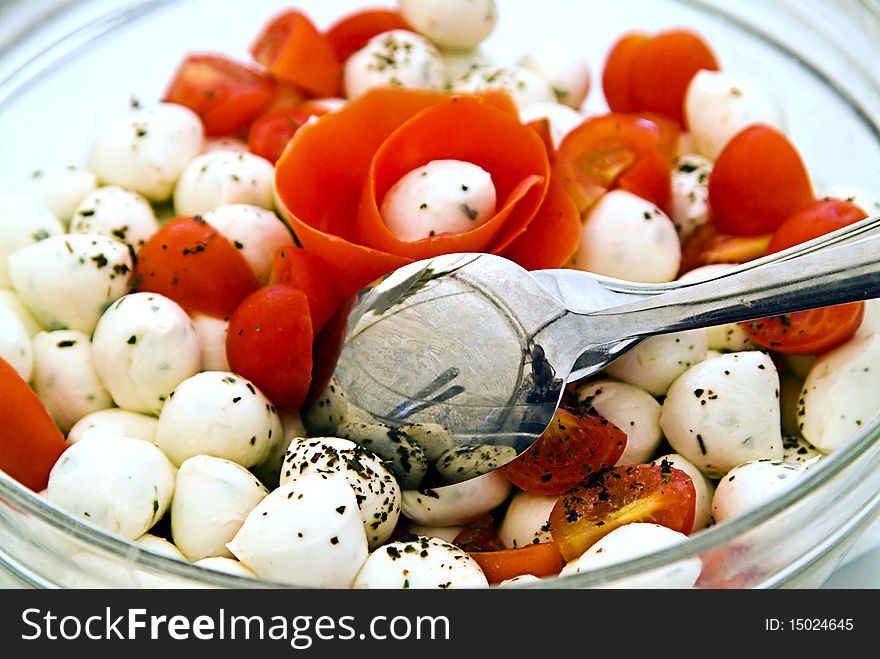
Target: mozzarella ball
[223, 144]
[146, 148]
[690, 193]
[798, 451]
[458, 503]
[224, 177]
[719, 104]
[420, 562]
[397, 58]
[145, 345]
[256, 232]
[61, 189]
[117, 213]
[632, 541]
[114, 422]
[220, 414]
[68, 281]
[160, 546]
[226, 565]
[631, 409]
[752, 484]
[864, 199]
[9, 299]
[212, 498]
[870, 323]
[434, 439]
[458, 62]
[524, 85]
[15, 344]
[465, 462]
[567, 72]
[527, 520]
[377, 492]
[65, 377]
[121, 484]
[212, 341]
[725, 411]
[520, 580]
[445, 533]
[730, 337]
[628, 237]
[269, 470]
[444, 196]
[703, 486]
[328, 412]
[655, 363]
[23, 221]
[306, 533]
[561, 117]
[840, 395]
[451, 23]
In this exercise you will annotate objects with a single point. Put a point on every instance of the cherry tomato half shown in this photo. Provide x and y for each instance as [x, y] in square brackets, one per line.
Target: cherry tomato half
[271, 132]
[707, 246]
[350, 33]
[540, 560]
[294, 265]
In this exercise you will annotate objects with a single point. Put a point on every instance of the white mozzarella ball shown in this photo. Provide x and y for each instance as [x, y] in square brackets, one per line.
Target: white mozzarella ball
[752, 484]
[121, 484]
[527, 520]
[730, 337]
[223, 144]
[628, 237]
[520, 580]
[114, 422]
[725, 411]
[212, 341]
[468, 461]
[269, 470]
[840, 395]
[703, 486]
[445, 533]
[655, 363]
[146, 148]
[256, 232]
[212, 498]
[798, 451]
[870, 323]
[719, 104]
[690, 193]
[444, 196]
[61, 189]
[458, 62]
[376, 490]
[23, 221]
[117, 213]
[524, 85]
[15, 344]
[632, 541]
[398, 58]
[458, 503]
[220, 414]
[866, 200]
[307, 533]
[9, 299]
[434, 439]
[226, 565]
[145, 345]
[567, 72]
[160, 546]
[631, 409]
[561, 117]
[68, 281]
[65, 377]
[420, 562]
[451, 23]
[224, 177]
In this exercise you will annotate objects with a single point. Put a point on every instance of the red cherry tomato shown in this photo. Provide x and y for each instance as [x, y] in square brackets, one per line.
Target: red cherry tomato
[651, 74]
[479, 535]
[270, 343]
[30, 442]
[814, 220]
[294, 265]
[190, 262]
[757, 181]
[659, 494]
[350, 33]
[271, 132]
[540, 560]
[574, 446]
[295, 52]
[707, 246]
[226, 95]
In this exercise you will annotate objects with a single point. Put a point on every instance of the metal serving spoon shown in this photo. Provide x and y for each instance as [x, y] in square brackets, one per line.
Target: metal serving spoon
[452, 366]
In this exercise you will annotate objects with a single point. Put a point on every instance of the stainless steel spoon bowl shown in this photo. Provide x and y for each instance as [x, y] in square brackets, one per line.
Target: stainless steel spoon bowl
[452, 366]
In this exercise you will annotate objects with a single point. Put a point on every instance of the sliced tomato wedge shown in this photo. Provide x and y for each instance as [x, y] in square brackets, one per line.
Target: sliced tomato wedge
[30, 442]
[225, 94]
[350, 33]
[708, 246]
[660, 494]
[309, 272]
[573, 447]
[540, 560]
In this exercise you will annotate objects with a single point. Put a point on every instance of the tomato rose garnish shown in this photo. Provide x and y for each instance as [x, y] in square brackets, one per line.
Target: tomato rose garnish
[333, 176]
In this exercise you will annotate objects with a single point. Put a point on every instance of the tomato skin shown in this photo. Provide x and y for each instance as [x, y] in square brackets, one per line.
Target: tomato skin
[30, 442]
[269, 342]
[295, 52]
[574, 446]
[271, 132]
[814, 220]
[707, 246]
[621, 495]
[350, 33]
[616, 83]
[541, 560]
[190, 262]
[757, 181]
[225, 95]
[294, 265]
[479, 535]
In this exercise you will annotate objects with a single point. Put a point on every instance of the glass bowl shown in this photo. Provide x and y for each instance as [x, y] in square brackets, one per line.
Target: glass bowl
[59, 73]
